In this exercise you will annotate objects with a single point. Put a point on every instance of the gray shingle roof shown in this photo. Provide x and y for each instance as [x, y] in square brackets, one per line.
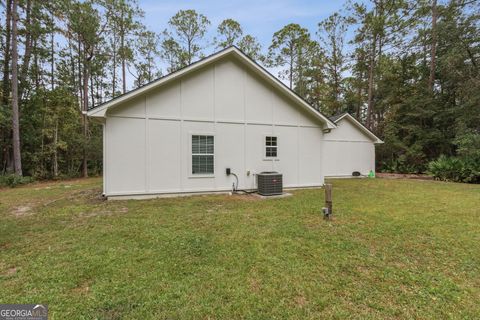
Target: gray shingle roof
[336, 117]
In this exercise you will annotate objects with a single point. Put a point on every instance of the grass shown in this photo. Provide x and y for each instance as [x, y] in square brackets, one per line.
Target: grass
[396, 249]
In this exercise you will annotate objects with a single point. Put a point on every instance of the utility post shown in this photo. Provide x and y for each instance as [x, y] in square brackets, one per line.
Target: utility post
[328, 209]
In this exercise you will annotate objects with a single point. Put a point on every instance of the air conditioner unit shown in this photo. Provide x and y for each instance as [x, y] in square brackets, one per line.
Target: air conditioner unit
[270, 183]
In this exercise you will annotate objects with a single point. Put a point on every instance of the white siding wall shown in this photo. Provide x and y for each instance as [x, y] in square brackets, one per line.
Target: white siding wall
[347, 149]
[148, 139]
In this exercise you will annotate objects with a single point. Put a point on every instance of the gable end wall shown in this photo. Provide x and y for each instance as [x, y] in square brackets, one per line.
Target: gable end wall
[147, 140]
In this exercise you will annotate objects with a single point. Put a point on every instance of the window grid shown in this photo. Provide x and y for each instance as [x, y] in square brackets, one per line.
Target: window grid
[271, 147]
[203, 154]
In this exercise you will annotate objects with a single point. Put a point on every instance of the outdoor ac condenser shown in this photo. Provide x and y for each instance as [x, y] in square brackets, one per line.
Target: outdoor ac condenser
[270, 183]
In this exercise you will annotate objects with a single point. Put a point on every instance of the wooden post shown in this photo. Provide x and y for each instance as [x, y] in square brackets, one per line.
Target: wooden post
[328, 200]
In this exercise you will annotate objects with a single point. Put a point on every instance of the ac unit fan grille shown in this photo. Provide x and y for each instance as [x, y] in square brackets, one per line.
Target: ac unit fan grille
[270, 183]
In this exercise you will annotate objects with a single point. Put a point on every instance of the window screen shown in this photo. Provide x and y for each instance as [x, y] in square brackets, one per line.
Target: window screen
[202, 154]
[271, 147]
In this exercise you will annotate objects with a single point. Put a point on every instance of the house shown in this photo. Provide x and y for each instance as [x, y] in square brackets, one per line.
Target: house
[180, 133]
[349, 147]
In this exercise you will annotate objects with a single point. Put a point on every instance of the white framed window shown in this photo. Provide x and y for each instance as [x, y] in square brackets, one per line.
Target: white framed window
[271, 147]
[203, 155]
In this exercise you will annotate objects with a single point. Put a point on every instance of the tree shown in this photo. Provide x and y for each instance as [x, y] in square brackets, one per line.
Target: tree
[332, 34]
[173, 54]
[251, 47]
[123, 18]
[420, 124]
[85, 25]
[17, 157]
[145, 53]
[183, 44]
[316, 78]
[229, 32]
[63, 66]
[290, 47]
[380, 25]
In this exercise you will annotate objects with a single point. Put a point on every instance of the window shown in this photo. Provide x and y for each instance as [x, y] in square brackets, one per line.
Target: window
[271, 147]
[202, 154]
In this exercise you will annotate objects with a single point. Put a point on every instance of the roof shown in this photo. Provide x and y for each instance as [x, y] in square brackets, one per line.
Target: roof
[100, 110]
[337, 118]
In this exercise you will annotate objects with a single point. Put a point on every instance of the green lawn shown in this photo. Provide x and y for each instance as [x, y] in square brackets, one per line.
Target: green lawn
[396, 249]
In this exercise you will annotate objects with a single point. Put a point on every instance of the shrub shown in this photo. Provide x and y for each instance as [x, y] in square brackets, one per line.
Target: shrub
[471, 171]
[455, 169]
[400, 165]
[13, 180]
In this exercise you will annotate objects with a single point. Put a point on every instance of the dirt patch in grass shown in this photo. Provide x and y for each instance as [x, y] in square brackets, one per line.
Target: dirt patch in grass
[90, 196]
[67, 183]
[300, 301]
[5, 245]
[83, 288]
[317, 221]
[244, 197]
[404, 176]
[254, 285]
[23, 205]
[9, 272]
[116, 211]
[21, 211]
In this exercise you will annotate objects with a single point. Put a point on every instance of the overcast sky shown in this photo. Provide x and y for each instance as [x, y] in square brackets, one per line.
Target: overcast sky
[259, 18]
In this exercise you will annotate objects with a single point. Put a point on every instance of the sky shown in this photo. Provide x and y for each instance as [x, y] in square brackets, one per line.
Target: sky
[259, 18]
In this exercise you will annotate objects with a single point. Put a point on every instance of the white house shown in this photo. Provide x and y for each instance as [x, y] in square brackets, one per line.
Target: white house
[178, 134]
[349, 147]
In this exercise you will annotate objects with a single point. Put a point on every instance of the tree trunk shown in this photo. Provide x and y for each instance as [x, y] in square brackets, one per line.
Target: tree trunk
[17, 161]
[6, 54]
[359, 96]
[79, 63]
[84, 113]
[52, 54]
[5, 133]
[114, 76]
[36, 64]
[371, 74]
[28, 50]
[124, 73]
[122, 46]
[291, 68]
[55, 153]
[336, 77]
[72, 66]
[92, 90]
[433, 51]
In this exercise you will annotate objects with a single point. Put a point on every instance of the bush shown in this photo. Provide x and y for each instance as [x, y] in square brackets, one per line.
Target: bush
[455, 169]
[13, 180]
[400, 165]
[471, 171]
